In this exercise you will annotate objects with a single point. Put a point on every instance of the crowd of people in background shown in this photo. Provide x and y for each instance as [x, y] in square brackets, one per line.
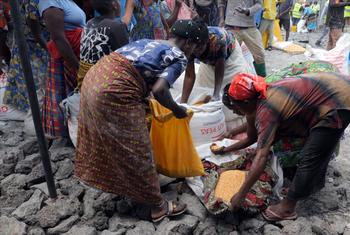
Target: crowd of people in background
[117, 52]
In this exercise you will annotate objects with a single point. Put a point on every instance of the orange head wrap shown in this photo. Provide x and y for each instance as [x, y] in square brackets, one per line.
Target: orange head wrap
[245, 86]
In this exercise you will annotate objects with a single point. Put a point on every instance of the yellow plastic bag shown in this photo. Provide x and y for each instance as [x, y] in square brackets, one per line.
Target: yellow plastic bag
[173, 149]
[293, 28]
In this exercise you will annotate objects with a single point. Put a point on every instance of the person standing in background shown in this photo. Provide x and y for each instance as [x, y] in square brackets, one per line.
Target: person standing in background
[347, 19]
[174, 10]
[122, 4]
[86, 7]
[283, 16]
[310, 17]
[297, 12]
[5, 54]
[16, 93]
[268, 20]
[102, 35]
[323, 18]
[207, 10]
[240, 20]
[335, 21]
[65, 21]
[315, 6]
[150, 23]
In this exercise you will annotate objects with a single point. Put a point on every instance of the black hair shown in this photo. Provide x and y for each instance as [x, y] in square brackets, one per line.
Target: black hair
[194, 30]
[102, 6]
[226, 100]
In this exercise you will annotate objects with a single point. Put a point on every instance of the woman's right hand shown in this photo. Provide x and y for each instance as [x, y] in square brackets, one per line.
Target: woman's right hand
[180, 112]
[218, 151]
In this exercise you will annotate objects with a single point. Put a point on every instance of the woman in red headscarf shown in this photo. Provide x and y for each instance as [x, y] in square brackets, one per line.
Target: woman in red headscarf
[314, 106]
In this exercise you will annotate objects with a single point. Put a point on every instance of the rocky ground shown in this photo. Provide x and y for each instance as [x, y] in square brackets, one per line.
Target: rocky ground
[25, 207]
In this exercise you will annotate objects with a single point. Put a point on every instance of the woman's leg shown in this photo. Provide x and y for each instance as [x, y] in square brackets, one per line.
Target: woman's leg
[311, 171]
[271, 32]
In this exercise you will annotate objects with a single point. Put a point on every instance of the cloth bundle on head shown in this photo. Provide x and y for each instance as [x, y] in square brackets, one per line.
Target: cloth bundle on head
[191, 29]
[245, 86]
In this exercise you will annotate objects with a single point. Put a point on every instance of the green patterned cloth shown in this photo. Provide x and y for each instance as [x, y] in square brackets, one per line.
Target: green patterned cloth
[287, 151]
[301, 68]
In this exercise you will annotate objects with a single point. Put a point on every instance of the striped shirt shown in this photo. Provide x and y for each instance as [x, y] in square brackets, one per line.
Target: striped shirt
[296, 105]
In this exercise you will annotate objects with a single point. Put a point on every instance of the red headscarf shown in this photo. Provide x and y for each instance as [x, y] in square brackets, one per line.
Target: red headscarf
[245, 86]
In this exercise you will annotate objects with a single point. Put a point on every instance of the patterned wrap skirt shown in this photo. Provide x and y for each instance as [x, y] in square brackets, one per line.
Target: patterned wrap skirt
[61, 81]
[16, 93]
[113, 149]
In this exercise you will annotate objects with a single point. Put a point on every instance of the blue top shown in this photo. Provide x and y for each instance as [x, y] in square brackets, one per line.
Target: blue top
[308, 11]
[155, 59]
[74, 17]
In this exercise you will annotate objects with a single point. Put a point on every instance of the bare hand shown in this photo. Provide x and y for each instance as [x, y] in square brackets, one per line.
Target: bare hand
[242, 10]
[180, 112]
[217, 150]
[222, 23]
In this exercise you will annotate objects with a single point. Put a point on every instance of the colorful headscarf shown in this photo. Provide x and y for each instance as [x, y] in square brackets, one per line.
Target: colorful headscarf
[191, 29]
[245, 86]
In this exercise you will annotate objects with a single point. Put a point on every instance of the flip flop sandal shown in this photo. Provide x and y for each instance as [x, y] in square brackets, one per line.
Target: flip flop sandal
[277, 217]
[171, 212]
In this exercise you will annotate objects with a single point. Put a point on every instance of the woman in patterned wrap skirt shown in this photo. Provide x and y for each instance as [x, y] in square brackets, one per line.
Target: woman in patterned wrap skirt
[113, 151]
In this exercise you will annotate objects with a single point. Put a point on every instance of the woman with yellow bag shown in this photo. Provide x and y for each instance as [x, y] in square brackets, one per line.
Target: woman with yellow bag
[113, 148]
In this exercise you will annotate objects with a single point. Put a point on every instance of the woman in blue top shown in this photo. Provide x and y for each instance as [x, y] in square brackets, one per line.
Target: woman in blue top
[113, 148]
[65, 21]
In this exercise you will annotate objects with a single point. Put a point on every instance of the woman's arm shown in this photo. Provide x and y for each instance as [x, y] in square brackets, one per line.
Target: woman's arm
[236, 131]
[249, 140]
[173, 17]
[258, 166]
[162, 94]
[190, 78]
[166, 26]
[129, 9]
[219, 77]
[222, 7]
[54, 19]
[35, 28]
